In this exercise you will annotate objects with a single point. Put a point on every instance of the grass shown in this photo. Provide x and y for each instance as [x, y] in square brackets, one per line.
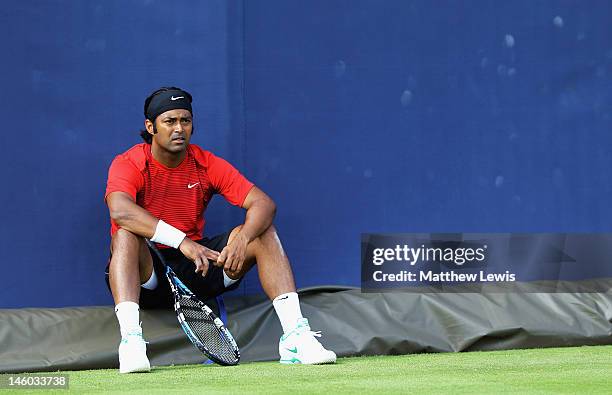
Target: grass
[572, 370]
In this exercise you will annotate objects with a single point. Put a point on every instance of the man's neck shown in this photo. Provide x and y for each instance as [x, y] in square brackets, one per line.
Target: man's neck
[168, 159]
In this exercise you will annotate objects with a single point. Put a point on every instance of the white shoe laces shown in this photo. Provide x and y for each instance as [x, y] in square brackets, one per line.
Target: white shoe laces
[311, 340]
[136, 333]
[317, 333]
[309, 336]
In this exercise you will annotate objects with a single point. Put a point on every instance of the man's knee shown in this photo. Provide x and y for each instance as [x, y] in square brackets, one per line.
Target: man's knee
[268, 241]
[124, 241]
[269, 234]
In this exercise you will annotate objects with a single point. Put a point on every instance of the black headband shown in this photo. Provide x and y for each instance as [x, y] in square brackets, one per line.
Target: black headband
[173, 99]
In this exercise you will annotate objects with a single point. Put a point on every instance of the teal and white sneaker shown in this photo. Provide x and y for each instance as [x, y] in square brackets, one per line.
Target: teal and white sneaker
[300, 346]
[133, 353]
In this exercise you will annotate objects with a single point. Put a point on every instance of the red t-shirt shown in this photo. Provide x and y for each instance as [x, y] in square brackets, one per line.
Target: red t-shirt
[177, 195]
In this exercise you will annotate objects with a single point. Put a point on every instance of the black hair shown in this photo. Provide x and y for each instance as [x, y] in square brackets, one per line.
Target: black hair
[146, 136]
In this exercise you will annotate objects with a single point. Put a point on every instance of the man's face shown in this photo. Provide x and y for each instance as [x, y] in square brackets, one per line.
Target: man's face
[174, 130]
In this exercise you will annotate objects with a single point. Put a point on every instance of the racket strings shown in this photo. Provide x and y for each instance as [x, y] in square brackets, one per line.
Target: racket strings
[207, 332]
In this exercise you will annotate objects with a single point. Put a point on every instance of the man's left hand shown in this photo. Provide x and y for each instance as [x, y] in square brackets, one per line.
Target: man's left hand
[233, 255]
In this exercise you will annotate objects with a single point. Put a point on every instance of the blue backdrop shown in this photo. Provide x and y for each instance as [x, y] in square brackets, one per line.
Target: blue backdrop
[355, 116]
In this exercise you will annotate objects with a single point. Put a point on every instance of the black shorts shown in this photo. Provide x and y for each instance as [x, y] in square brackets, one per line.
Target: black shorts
[204, 288]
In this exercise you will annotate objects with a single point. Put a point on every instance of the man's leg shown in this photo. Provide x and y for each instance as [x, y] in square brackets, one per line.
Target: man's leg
[273, 266]
[131, 265]
[298, 343]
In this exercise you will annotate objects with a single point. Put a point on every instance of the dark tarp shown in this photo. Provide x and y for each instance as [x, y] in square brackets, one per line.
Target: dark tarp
[353, 323]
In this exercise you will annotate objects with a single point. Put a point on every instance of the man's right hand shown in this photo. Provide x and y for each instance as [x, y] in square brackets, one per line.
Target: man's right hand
[198, 254]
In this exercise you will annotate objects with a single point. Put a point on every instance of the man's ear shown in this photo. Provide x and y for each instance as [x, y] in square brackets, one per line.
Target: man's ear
[149, 127]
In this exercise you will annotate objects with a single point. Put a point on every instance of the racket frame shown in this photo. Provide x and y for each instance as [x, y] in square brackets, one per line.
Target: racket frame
[180, 290]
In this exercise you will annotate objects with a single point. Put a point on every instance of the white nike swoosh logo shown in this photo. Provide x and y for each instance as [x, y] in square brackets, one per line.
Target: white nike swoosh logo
[176, 98]
[192, 185]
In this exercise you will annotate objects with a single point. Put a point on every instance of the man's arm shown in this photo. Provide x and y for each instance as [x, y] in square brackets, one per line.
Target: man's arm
[130, 216]
[260, 211]
[133, 218]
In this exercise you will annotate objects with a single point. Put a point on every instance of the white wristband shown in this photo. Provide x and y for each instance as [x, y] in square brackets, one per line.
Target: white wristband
[168, 235]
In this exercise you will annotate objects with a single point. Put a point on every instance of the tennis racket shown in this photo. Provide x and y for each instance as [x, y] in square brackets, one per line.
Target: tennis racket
[205, 330]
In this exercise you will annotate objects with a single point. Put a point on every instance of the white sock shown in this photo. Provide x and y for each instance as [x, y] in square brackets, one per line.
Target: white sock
[227, 281]
[287, 308]
[151, 282]
[128, 316]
